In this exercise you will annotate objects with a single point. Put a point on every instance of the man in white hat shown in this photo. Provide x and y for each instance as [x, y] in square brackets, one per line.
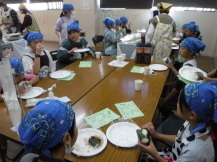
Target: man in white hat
[9, 18]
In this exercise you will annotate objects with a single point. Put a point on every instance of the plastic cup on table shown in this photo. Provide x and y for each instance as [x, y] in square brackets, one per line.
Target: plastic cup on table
[119, 59]
[123, 56]
[146, 70]
[98, 55]
[138, 85]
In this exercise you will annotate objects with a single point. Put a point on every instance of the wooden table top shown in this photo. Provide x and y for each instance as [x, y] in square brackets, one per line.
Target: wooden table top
[102, 87]
[84, 80]
[116, 88]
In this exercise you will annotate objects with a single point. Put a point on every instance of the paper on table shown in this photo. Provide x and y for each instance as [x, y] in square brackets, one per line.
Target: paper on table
[115, 63]
[101, 118]
[85, 64]
[129, 110]
[70, 77]
[137, 69]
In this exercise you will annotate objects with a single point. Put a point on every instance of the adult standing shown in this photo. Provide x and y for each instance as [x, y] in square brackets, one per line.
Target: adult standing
[9, 18]
[29, 22]
[160, 32]
[65, 19]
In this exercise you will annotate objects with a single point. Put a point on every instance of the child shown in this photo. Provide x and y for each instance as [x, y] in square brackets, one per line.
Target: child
[125, 30]
[111, 37]
[193, 143]
[74, 41]
[21, 79]
[183, 34]
[188, 48]
[50, 129]
[37, 61]
[192, 30]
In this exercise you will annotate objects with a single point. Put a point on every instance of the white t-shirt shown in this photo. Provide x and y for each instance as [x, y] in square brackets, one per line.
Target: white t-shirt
[193, 62]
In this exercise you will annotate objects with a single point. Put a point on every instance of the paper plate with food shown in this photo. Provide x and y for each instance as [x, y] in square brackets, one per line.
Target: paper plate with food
[123, 134]
[89, 142]
[192, 73]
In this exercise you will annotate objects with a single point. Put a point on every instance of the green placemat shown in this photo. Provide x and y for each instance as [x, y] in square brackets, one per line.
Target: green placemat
[129, 110]
[137, 69]
[70, 77]
[101, 118]
[84, 64]
[184, 80]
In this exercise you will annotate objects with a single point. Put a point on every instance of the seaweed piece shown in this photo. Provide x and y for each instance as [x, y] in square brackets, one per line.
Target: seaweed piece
[94, 141]
[144, 136]
[199, 77]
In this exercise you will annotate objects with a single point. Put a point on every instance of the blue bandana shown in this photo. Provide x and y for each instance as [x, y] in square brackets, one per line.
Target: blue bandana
[68, 7]
[33, 37]
[184, 26]
[118, 22]
[17, 65]
[108, 21]
[193, 44]
[73, 26]
[124, 19]
[193, 27]
[45, 125]
[202, 99]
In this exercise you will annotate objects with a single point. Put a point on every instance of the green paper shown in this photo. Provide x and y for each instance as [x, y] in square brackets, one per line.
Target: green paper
[184, 80]
[84, 64]
[137, 69]
[101, 118]
[70, 77]
[129, 110]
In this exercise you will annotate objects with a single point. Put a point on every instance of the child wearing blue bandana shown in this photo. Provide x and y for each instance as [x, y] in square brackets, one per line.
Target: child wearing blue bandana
[66, 52]
[192, 30]
[37, 61]
[196, 139]
[126, 30]
[111, 37]
[188, 48]
[50, 129]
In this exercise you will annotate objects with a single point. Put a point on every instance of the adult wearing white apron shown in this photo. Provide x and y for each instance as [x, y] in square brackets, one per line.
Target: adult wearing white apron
[9, 18]
[160, 32]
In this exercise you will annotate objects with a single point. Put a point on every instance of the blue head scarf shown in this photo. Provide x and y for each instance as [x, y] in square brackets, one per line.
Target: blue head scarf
[184, 26]
[192, 26]
[124, 19]
[202, 99]
[193, 44]
[33, 37]
[68, 7]
[45, 125]
[108, 21]
[73, 26]
[17, 65]
[118, 22]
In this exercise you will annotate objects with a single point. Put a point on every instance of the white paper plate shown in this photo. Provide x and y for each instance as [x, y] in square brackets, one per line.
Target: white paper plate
[158, 67]
[82, 147]
[32, 93]
[82, 50]
[176, 38]
[189, 73]
[174, 44]
[60, 74]
[123, 134]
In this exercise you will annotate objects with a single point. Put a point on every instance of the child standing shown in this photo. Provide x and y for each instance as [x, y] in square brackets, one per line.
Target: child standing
[197, 105]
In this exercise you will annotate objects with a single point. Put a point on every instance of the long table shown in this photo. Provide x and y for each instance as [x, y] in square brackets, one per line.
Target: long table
[106, 87]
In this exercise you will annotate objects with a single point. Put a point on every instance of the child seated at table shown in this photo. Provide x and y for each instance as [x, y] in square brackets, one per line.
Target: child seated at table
[192, 30]
[196, 139]
[183, 36]
[21, 79]
[111, 37]
[125, 30]
[66, 52]
[188, 48]
[37, 61]
[50, 129]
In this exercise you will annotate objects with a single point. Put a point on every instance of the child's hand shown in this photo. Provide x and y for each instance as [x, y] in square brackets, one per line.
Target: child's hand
[21, 89]
[150, 128]
[150, 149]
[72, 50]
[39, 48]
[170, 65]
[205, 79]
